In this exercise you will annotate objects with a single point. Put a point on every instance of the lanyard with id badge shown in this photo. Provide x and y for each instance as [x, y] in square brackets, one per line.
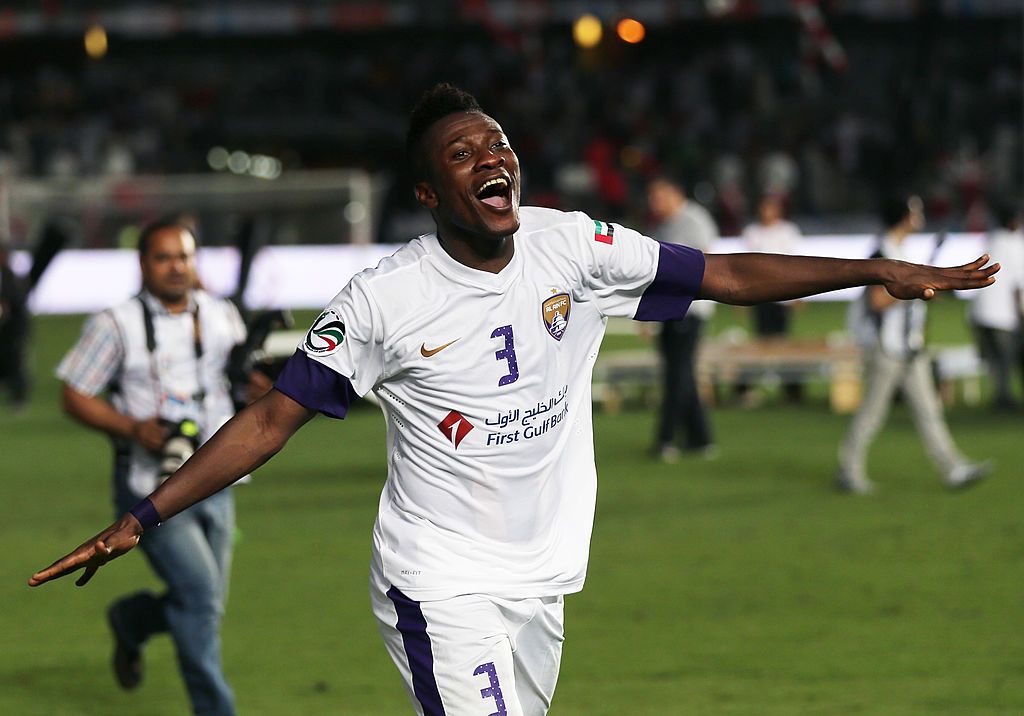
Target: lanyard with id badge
[178, 414]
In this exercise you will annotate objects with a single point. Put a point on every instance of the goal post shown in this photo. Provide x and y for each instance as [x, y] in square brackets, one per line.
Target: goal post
[303, 206]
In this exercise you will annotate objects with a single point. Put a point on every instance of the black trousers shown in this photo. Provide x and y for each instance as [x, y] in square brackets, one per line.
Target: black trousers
[680, 405]
[999, 349]
[771, 319]
[13, 355]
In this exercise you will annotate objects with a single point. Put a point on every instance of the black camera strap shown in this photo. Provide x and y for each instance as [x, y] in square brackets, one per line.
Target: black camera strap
[197, 346]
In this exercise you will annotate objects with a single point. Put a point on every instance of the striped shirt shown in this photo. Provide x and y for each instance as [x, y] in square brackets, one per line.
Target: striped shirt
[96, 359]
[172, 380]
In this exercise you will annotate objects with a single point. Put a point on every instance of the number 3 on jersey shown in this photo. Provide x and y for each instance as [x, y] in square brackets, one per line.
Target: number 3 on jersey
[508, 353]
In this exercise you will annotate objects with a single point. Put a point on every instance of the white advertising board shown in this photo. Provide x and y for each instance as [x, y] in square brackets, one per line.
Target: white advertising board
[84, 281]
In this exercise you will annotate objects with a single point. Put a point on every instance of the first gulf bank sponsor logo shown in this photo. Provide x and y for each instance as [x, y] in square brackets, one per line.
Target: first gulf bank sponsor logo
[522, 424]
[326, 334]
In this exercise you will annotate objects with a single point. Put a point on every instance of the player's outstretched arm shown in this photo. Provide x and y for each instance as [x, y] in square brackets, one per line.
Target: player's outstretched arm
[244, 443]
[92, 554]
[745, 279]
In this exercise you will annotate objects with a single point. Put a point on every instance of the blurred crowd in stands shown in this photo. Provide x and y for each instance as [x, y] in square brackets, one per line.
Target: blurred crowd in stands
[736, 109]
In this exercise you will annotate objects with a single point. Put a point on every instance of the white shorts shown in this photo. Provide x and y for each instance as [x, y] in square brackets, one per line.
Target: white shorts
[473, 655]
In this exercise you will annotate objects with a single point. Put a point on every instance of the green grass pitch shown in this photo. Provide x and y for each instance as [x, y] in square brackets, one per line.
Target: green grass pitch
[742, 585]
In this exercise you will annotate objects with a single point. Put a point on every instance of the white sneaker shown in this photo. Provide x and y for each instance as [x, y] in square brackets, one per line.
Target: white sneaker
[845, 482]
[968, 474]
[708, 452]
[669, 454]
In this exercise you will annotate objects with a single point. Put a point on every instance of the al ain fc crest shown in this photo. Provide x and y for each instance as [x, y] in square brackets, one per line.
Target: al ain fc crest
[555, 312]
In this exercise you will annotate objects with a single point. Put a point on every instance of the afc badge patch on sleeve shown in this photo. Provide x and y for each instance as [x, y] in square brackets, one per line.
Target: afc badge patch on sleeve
[555, 312]
[326, 333]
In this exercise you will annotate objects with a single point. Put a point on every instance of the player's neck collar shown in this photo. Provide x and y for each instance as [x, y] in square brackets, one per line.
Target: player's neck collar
[475, 277]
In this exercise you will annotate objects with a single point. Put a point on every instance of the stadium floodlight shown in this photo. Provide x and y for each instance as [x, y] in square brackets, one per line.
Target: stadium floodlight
[96, 42]
[587, 31]
[630, 30]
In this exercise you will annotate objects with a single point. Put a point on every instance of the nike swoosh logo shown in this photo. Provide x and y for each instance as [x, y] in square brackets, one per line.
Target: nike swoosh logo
[427, 352]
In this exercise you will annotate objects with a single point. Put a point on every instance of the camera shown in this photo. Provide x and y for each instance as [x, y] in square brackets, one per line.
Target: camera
[182, 440]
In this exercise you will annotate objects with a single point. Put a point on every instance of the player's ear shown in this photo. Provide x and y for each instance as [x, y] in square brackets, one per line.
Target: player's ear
[425, 195]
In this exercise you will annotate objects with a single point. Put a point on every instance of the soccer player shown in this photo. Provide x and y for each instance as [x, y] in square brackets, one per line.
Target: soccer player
[479, 341]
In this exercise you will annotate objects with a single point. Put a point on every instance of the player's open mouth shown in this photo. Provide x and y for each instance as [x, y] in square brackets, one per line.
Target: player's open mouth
[496, 193]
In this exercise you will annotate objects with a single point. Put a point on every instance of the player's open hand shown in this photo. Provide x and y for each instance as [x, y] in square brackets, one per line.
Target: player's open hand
[916, 281]
[92, 554]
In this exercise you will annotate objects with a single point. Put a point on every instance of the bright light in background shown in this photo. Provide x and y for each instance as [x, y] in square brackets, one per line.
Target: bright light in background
[96, 42]
[264, 167]
[260, 165]
[587, 31]
[217, 158]
[630, 30]
[355, 211]
[238, 162]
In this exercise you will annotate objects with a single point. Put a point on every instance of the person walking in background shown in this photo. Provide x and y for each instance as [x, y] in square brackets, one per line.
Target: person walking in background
[772, 234]
[161, 358]
[684, 222]
[15, 318]
[891, 335]
[479, 340]
[14, 331]
[995, 314]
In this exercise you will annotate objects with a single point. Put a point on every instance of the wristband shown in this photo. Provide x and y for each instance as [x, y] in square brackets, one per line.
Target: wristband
[146, 514]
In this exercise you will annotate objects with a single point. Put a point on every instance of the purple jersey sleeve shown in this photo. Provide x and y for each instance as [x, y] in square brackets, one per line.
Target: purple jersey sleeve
[675, 285]
[315, 386]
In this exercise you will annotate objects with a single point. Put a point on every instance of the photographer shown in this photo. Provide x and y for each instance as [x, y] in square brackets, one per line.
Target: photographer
[151, 373]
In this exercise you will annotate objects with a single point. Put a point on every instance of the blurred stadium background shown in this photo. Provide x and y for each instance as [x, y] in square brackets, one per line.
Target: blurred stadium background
[739, 586]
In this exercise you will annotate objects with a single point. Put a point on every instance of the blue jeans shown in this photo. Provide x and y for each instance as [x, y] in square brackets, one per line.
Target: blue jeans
[192, 555]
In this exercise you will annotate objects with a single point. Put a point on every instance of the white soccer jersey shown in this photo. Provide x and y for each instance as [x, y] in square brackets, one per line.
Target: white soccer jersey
[996, 306]
[782, 237]
[484, 380]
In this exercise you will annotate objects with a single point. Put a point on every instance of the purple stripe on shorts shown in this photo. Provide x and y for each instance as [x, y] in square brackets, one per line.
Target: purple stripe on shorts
[315, 386]
[676, 284]
[413, 627]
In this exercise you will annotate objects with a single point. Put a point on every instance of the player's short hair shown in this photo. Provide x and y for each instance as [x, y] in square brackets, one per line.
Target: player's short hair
[894, 209]
[436, 103]
[155, 227]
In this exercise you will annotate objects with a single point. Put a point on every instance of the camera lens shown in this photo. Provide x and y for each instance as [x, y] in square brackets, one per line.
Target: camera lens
[181, 443]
